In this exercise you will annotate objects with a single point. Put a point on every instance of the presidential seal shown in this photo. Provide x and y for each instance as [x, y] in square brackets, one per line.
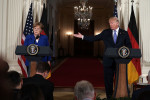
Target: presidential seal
[32, 49]
[123, 52]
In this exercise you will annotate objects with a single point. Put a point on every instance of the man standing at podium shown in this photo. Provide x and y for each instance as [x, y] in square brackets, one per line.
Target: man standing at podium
[38, 39]
[114, 37]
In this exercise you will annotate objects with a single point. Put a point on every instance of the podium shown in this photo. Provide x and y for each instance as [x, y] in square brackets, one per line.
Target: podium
[121, 86]
[33, 59]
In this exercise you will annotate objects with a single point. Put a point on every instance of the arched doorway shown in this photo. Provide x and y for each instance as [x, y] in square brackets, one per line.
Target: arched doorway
[83, 48]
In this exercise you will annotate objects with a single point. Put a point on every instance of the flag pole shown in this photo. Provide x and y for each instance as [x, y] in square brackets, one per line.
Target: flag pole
[132, 2]
[44, 2]
[115, 2]
[115, 9]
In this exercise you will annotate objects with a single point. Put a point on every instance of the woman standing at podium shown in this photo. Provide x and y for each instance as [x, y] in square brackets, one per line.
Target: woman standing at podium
[38, 39]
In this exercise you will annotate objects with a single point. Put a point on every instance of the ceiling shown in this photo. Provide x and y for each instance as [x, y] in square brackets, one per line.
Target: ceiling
[96, 4]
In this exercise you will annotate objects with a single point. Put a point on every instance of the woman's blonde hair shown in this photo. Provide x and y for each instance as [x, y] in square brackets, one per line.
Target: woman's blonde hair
[38, 24]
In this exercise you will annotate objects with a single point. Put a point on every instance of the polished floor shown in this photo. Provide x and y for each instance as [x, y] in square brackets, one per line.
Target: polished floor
[68, 94]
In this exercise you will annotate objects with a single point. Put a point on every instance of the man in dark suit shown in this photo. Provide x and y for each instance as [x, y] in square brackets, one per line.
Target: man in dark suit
[137, 93]
[39, 79]
[113, 38]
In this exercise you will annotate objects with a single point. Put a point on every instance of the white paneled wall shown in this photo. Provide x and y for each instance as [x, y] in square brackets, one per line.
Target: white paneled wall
[14, 31]
[14, 27]
[144, 20]
[3, 27]
[123, 13]
[10, 29]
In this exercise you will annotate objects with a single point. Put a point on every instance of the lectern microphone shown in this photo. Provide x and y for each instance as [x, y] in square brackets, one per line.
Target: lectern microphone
[37, 37]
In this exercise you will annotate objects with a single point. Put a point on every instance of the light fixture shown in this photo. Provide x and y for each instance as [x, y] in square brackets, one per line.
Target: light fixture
[83, 14]
[68, 33]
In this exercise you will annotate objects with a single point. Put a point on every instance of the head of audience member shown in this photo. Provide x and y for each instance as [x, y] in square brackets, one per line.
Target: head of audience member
[37, 28]
[4, 67]
[114, 23]
[144, 95]
[148, 77]
[5, 90]
[31, 92]
[84, 90]
[43, 69]
[14, 79]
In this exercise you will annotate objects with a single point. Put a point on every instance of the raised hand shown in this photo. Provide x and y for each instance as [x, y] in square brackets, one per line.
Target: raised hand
[79, 35]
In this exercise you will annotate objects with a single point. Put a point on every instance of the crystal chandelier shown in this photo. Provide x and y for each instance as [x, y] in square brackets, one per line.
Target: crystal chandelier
[83, 14]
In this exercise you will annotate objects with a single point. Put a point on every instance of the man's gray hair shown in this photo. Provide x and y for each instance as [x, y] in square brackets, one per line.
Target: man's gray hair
[149, 76]
[83, 89]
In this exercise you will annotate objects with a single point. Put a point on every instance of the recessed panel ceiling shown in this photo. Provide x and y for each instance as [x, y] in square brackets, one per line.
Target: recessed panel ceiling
[93, 3]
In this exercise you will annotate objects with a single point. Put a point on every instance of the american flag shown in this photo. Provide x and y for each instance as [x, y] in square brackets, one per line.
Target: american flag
[28, 29]
[115, 14]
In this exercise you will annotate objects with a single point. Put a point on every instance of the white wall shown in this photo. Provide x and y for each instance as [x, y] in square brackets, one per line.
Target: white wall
[144, 25]
[3, 27]
[10, 30]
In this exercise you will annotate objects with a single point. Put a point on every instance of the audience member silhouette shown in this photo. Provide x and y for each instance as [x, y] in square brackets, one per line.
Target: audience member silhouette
[16, 82]
[5, 89]
[136, 93]
[144, 95]
[39, 79]
[4, 67]
[31, 92]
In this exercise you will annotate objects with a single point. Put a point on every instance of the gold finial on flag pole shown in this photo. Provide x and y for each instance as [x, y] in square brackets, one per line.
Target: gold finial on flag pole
[115, 2]
[132, 1]
[44, 1]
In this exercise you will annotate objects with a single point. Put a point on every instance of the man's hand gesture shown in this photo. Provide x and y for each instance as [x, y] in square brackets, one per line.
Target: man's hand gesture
[79, 35]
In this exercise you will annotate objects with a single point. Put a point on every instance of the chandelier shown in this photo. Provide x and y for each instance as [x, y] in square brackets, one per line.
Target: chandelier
[83, 14]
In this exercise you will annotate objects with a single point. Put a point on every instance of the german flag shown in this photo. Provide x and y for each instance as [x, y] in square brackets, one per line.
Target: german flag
[44, 22]
[45, 31]
[134, 67]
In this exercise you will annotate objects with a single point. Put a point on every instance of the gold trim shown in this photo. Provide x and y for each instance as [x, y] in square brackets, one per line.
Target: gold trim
[35, 47]
[125, 48]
